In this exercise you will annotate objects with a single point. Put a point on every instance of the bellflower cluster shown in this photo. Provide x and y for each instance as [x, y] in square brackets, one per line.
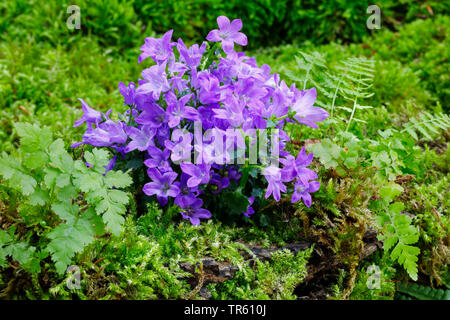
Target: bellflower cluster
[206, 86]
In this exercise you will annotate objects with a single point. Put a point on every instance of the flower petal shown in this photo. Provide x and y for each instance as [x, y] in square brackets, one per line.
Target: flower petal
[240, 38]
[223, 22]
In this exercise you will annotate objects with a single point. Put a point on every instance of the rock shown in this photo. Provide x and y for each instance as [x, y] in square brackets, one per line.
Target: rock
[369, 248]
[370, 234]
[213, 271]
[205, 293]
[265, 254]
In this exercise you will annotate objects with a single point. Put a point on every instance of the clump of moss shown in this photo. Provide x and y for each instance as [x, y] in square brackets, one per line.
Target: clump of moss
[145, 262]
[274, 279]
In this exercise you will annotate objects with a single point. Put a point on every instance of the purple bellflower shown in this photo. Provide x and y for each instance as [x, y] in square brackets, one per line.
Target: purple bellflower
[228, 33]
[200, 87]
[296, 167]
[141, 139]
[162, 185]
[156, 82]
[159, 49]
[302, 191]
[128, 93]
[192, 210]
[250, 210]
[200, 174]
[273, 177]
[159, 159]
[90, 115]
[177, 109]
[305, 112]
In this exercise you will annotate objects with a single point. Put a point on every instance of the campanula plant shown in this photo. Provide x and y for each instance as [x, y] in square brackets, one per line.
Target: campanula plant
[195, 117]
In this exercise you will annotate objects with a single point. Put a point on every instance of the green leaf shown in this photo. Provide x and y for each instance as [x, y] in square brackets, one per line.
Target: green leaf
[35, 160]
[400, 234]
[33, 137]
[60, 158]
[21, 252]
[66, 211]
[118, 196]
[8, 166]
[112, 215]
[67, 240]
[236, 202]
[89, 182]
[10, 170]
[50, 177]
[39, 197]
[117, 179]
[327, 152]
[5, 238]
[98, 158]
[67, 193]
[62, 180]
[389, 193]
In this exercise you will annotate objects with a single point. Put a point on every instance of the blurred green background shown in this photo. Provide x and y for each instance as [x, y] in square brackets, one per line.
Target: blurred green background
[45, 66]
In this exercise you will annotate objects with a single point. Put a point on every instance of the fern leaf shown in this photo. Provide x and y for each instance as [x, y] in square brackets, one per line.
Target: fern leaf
[423, 293]
[428, 125]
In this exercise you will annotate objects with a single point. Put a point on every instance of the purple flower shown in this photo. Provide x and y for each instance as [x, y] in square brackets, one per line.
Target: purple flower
[156, 82]
[305, 112]
[199, 173]
[185, 191]
[192, 56]
[206, 115]
[162, 185]
[110, 164]
[177, 109]
[105, 134]
[144, 102]
[141, 139]
[294, 168]
[163, 134]
[95, 137]
[250, 210]
[220, 182]
[192, 210]
[115, 131]
[228, 33]
[233, 111]
[273, 177]
[154, 117]
[159, 49]
[89, 116]
[211, 150]
[234, 174]
[209, 88]
[302, 191]
[128, 93]
[227, 92]
[159, 159]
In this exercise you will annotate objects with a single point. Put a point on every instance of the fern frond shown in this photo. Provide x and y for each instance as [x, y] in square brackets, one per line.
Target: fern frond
[427, 124]
[311, 63]
[424, 293]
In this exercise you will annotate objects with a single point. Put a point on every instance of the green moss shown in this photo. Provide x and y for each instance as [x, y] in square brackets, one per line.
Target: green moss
[276, 279]
[144, 262]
